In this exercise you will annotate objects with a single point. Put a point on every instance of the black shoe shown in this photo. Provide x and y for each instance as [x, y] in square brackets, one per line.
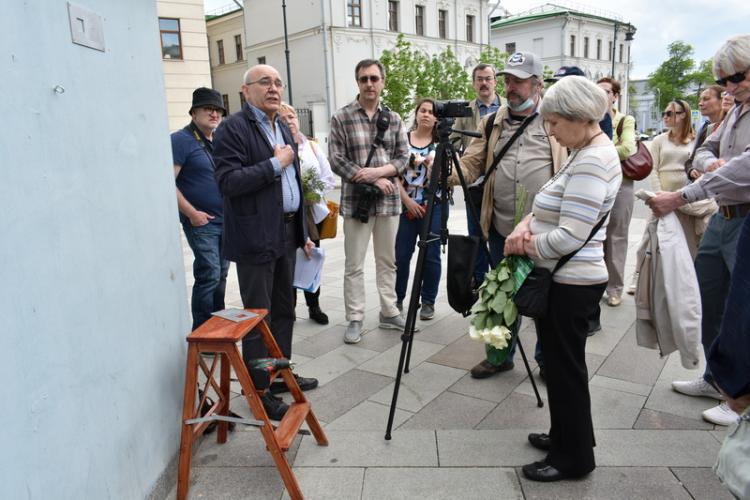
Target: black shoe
[306, 384]
[486, 369]
[542, 373]
[594, 326]
[275, 407]
[540, 441]
[318, 316]
[540, 471]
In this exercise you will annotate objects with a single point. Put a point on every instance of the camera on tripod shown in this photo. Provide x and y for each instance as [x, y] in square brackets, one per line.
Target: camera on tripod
[366, 195]
[452, 109]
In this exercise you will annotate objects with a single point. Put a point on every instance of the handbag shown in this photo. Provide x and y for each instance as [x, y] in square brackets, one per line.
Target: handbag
[329, 225]
[532, 298]
[637, 166]
[733, 463]
[462, 252]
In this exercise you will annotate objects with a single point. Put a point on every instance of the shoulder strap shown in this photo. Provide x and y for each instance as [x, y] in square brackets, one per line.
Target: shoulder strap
[488, 127]
[619, 129]
[565, 258]
[507, 145]
[384, 121]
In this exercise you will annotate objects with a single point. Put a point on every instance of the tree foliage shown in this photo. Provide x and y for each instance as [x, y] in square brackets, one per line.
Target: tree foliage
[676, 77]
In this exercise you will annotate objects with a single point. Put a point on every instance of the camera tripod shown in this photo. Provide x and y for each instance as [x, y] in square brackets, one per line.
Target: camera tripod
[445, 158]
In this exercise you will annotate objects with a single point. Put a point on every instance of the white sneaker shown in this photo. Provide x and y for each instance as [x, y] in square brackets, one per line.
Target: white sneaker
[720, 415]
[633, 285]
[353, 333]
[697, 387]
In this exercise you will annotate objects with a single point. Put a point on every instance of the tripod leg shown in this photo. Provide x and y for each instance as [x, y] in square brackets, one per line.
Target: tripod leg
[539, 402]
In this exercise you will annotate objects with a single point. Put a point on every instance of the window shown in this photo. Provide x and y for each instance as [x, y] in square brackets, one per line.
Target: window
[621, 51]
[510, 48]
[171, 43]
[586, 47]
[220, 48]
[225, 98]
[469, 28]
[238, 47]
[262, 60]
[572, 45]
[354, 12]
[419, 19]
[443, 23]
[392, 15]
[598, 49]
[610, 55]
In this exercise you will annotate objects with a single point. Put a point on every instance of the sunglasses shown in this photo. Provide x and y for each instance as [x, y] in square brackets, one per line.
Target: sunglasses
[670, 114]
[735, 78]
[372, 78]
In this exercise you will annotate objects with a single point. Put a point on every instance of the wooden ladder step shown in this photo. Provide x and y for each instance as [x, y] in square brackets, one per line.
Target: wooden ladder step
[290, 424]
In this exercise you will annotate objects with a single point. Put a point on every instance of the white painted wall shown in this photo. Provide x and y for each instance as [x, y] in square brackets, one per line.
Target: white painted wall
[227, 77]
[93, 294]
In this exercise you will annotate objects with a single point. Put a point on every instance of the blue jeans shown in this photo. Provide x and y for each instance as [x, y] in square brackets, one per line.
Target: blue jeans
[713, 266]
[209, 270]
[406, 238]
[497, 244]
[481, 266]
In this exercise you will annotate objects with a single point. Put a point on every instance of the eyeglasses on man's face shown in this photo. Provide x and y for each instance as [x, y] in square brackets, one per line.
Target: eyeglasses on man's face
[372, 78]
[670, 114]
[484, 79]
[735, 78]
[267, 82]
[212, 109]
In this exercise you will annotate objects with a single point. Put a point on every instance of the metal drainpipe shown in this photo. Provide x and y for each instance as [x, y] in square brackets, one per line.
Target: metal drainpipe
[372, 34]
[562, 40]
[614, 51]
[325, 57]
[455, 28]
[489, 22]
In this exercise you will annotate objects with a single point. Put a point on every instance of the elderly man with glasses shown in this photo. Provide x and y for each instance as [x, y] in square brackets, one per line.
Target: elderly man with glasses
[258, 173]
[724, 164]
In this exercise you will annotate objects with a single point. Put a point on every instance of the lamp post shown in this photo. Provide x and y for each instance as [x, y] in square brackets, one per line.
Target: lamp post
[286, 52]
[658, 105]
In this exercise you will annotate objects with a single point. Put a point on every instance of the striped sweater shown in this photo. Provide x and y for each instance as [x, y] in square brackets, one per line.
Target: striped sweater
[568, 207]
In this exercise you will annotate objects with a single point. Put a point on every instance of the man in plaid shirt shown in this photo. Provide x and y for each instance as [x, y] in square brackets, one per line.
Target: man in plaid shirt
[353, 131]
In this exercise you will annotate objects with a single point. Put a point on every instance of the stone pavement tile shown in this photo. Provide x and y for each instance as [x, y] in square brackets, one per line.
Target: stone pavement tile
[441, 484]
[377, 339]
[306, 327]
[320, 343]
[450, 411]
[719, 433]
[486, 448]
[673, 369]
[613, 409]
[517, 411]
[244, 448]
[464, 353]
[649, 448]
[321, 483]
[632, 363]
[368, 416]
[234, 483]
[620, 385]
[495, 388]
[664, 399]
[651, 419]
[593, 362]
[340, 360]
[604, 341]
[444, 331]
[612, 483]
[702, 483]
[370, 449]
[345, 392]
[420, 386]
[386, 363]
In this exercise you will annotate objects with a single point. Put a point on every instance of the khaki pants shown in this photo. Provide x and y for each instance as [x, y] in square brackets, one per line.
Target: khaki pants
[383, 229]
[616, 244]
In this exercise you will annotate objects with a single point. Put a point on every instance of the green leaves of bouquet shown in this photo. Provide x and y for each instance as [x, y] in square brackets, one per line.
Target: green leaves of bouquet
[312, 186]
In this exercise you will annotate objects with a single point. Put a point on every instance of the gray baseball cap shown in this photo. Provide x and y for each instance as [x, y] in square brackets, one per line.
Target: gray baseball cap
[523, 65]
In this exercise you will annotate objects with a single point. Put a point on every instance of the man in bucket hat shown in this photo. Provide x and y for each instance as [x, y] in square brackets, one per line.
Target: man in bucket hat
[200, 203]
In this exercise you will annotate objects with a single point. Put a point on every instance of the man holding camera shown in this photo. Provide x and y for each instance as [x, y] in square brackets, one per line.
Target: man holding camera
[528, 162]
[368, 149]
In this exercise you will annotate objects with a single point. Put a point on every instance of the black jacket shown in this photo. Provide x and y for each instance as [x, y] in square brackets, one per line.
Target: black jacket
[253, 211]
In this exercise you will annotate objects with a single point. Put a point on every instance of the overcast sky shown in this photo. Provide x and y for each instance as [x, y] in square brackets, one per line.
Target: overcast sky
[703, 24]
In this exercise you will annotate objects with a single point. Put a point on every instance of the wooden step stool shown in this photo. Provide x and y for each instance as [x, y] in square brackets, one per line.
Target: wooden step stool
[220, 336]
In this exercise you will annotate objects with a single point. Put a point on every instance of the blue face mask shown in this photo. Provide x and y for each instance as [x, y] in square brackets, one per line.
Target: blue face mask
[523, 106]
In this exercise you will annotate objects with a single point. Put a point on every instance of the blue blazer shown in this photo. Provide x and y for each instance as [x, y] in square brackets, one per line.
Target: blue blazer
[253, 212]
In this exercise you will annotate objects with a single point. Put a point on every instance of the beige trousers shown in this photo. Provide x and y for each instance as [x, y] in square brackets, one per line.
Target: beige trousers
[383, 229]
[616, 244]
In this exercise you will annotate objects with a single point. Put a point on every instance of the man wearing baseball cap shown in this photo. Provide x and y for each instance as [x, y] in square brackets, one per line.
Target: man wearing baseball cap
[528, 163]
[200, 203]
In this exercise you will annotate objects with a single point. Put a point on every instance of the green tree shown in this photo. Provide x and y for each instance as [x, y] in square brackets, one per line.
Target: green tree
[402, 66]
[495, 57]
[676, 76]
[443, 78]
[701, 78]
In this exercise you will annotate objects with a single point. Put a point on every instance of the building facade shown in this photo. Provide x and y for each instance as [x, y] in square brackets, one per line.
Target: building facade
[184, 50]
[645, 107]
[226, 49]
[563, 36]
[328, 38]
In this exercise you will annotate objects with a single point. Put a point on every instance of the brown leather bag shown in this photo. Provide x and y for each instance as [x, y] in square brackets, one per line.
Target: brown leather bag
[638, 166]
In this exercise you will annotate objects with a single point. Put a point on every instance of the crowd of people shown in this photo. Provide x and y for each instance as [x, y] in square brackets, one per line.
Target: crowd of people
[241, 199]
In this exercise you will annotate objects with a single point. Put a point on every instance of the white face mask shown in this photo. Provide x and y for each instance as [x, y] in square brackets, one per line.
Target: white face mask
[523, 106]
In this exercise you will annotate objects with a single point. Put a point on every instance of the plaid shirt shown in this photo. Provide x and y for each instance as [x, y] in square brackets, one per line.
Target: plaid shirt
[352, 134]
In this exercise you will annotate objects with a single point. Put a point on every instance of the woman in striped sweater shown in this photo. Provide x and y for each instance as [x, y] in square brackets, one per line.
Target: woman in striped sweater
[564, 213]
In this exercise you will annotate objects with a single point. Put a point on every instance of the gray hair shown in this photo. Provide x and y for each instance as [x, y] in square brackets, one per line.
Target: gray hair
[576, 99]
[733, 56]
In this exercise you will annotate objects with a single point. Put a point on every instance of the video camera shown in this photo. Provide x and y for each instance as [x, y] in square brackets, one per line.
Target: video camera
[452, 109]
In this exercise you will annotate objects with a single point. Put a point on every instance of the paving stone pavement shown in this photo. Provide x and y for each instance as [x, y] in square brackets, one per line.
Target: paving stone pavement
[459, 438]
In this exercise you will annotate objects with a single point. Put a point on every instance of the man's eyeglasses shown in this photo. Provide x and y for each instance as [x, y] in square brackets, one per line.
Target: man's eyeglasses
[267, 82]
[670, 114]
[212, 109]
[372, 78]
[484, 79]
[735, 78]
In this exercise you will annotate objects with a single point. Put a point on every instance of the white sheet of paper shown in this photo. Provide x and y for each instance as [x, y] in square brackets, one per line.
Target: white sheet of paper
[307, 272]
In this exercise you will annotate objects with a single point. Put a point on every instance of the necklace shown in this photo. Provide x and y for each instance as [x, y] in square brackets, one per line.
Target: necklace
[569, 161]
